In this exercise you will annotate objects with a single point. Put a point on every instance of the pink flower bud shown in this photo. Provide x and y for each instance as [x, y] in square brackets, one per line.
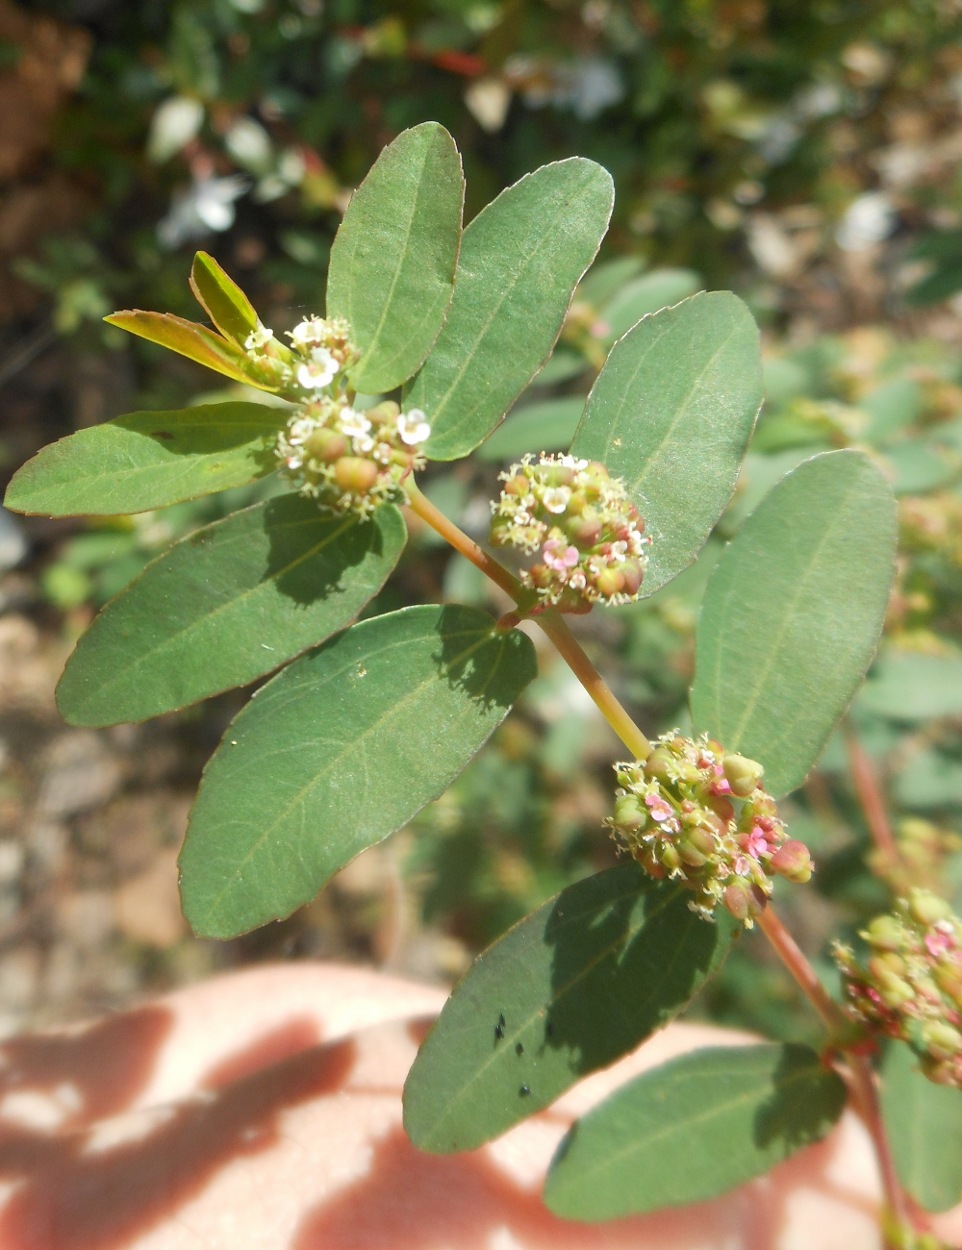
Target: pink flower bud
[793, 861]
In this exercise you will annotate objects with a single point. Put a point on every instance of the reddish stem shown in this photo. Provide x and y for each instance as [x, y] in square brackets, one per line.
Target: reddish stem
[870, 797]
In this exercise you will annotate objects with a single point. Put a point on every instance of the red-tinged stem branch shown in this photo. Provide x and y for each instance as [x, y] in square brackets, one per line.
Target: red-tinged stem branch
[791, 955]
[870, 796]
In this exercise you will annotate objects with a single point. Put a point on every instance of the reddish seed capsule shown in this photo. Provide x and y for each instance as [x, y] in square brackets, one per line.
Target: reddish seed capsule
[352, 473]
[326, 445]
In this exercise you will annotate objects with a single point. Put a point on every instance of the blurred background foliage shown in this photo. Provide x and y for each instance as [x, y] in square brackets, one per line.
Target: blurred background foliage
[806, 156]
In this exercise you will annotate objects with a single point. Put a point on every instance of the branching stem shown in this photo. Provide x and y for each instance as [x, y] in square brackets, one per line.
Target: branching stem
[856, 1069]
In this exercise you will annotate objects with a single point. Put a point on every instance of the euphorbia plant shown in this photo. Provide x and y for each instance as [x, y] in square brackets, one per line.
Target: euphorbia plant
[429, 336]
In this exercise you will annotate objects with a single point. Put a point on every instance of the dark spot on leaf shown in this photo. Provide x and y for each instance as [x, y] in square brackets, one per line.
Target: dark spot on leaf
[161, 434]
[549, 1029]
[519, 1050]
[499, 1028]
[524, 1091]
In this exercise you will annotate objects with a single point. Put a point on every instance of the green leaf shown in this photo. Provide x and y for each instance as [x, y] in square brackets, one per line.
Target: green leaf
[146, 460]
[910, 686]
[224, 606]
[547, 426]
[692, 1129]
[337, 751]
[671, 413]
[924, 1124]
[792, 614]
[394, 256]
[222, 299]
[521, 259]
[568, 990]
[189, 339]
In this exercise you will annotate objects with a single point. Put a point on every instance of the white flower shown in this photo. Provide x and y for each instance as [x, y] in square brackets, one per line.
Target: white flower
[555, 498]
[206, 205]
[300, 430]
[308, 333]
[354, 424]
[413, 427]
[318, 370]
[258, 338]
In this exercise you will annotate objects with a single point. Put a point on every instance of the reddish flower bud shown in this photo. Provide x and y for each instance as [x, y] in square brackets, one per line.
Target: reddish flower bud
[353, 473]
[793, 861]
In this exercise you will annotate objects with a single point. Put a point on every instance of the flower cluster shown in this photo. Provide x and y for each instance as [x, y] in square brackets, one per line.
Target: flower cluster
[588, 535]
[698, 814]
[349, 460]
[320, 353]
[910, 985]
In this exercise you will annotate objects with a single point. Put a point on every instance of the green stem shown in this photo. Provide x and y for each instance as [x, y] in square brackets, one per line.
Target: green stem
[570, 649]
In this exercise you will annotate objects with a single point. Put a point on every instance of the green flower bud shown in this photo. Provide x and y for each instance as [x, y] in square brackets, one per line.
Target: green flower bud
[940, 1039]
[742, 774]
[610, 582]
[926, 908]
[885, 933]
[630, 815]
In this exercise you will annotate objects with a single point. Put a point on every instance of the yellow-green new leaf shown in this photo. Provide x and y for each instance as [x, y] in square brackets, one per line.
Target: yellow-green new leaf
[338, 750]
[393, 260]
[146, 460]
[222, 299]
[194, 341]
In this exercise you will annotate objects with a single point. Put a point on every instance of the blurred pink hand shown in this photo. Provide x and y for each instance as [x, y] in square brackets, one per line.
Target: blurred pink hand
[262, 1111]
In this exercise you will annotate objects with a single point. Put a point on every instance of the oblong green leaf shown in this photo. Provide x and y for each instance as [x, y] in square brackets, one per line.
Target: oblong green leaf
[222, 299]
[671, 413]
[792, 614]
[692, 1129]
[194, 341]
[146, 460]
[224, 606]
[571, 988]
[337, 751]
[521, 259]
[393, 260]
[924, 1124]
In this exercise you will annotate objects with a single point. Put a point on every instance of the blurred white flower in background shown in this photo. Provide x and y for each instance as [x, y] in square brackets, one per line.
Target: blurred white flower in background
[205, 207]
[868, 220]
